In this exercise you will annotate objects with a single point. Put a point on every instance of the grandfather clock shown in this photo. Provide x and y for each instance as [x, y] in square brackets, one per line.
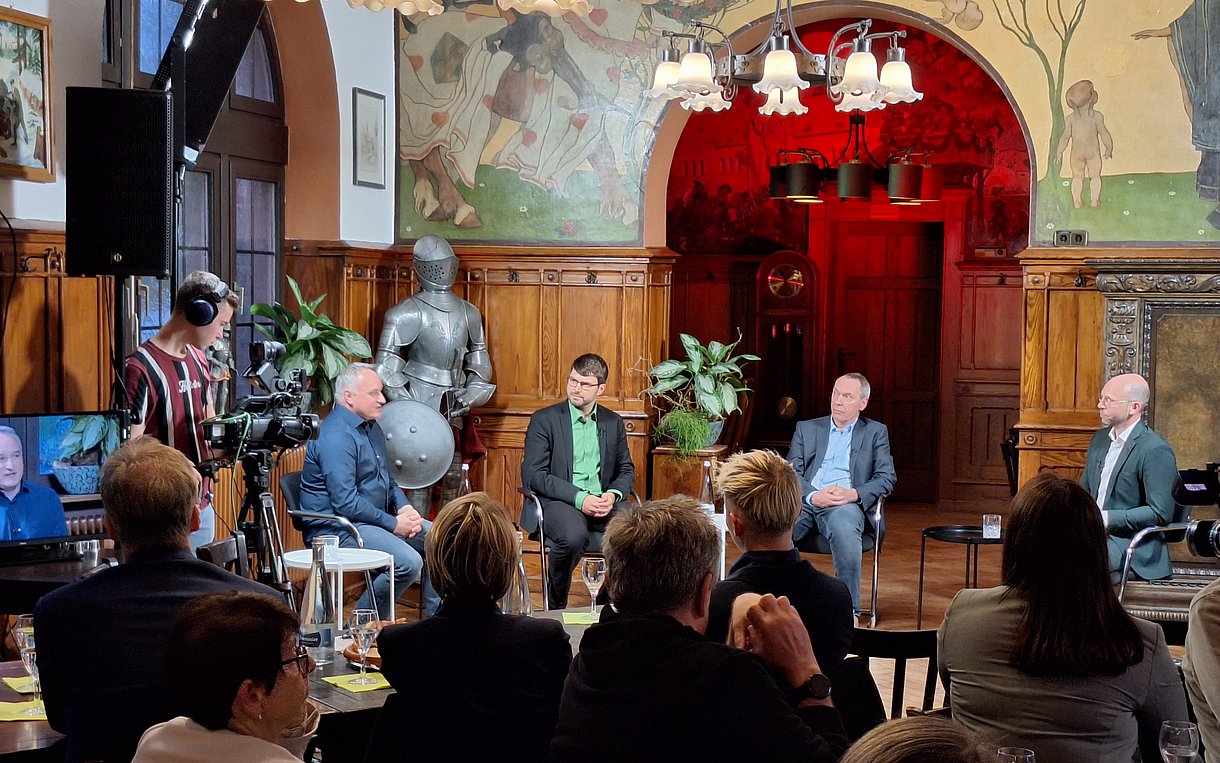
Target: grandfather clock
[785, 338]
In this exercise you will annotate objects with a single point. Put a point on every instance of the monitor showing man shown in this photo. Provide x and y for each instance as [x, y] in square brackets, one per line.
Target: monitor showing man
[27, 510]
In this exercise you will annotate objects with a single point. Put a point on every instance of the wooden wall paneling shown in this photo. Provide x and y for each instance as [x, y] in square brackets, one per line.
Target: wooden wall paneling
[86, 332]
[29, 362]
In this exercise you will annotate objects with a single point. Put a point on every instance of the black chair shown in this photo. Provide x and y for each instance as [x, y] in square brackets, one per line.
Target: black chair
[534, 505]
[1173, 532]
[900, 646]
[228, 552]
[857, 697]
[874, 536]
[1008, 448]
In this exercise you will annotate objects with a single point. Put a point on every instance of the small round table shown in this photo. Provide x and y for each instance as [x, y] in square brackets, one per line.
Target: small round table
[350, 560]
[972, 536]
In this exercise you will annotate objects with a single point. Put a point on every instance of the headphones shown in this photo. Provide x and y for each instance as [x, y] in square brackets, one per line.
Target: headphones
[203, 310]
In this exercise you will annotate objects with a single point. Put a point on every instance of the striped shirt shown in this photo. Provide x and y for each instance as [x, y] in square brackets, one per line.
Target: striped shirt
[169, 396]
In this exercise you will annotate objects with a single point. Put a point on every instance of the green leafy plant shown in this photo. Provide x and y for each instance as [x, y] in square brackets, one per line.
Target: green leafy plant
[703, 388]
[89, 440]
[313, 341]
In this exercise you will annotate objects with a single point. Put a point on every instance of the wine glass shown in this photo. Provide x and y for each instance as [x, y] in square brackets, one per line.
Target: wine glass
[23, 629]
[29, 658]
[593, 571]
[1179, 741]
[364, 633]
[1015, 755]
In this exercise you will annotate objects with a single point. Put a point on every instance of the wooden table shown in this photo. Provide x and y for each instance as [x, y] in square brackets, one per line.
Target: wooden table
[22, 585]
[347, 717]
[22, 740]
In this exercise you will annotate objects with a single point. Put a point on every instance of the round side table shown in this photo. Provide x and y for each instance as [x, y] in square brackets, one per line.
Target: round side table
[350, 560]
[971, 536]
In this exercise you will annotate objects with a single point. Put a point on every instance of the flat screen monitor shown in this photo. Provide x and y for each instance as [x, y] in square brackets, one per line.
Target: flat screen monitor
[50, 465]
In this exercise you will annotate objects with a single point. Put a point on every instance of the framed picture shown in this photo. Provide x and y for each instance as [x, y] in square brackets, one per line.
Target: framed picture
[25, 97]
[368, 138]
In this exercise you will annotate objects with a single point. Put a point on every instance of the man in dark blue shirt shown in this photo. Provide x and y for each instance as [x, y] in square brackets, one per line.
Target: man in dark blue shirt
[27, 510]
[347, 473]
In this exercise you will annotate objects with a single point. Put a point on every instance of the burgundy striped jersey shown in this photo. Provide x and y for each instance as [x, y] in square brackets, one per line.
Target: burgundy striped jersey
[169, 396]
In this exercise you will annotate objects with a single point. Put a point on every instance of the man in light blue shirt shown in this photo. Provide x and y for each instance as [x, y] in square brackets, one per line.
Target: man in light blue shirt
[844, 464]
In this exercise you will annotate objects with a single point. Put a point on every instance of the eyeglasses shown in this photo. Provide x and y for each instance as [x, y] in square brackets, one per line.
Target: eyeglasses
[1107, 402]
[304, 662]
[582, 384]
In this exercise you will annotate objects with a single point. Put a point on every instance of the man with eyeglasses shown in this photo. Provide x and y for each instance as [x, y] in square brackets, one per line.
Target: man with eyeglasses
[577, 462]
[1130, 470]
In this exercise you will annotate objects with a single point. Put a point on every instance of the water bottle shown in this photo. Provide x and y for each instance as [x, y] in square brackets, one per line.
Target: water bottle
[516, 600]
[707, 498]
[317, 633]
[464, 488]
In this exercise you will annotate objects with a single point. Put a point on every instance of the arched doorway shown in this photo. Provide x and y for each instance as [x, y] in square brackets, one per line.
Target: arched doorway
[924, 300]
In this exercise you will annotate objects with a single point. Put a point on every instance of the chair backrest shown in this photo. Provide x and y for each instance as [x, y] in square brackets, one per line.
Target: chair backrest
[857, 697]
[900, 646]
[290, 488]
[228, 552]
[1008, 448]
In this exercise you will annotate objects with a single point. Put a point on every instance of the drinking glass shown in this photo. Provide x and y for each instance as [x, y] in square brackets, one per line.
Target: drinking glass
[23, 630]
[991, 525]
[1015, 755]
[1179, 741]
[593, 571]
[364, 633]
[29, 658]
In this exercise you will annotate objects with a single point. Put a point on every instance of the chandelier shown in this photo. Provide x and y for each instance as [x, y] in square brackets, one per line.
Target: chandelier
[709, 74]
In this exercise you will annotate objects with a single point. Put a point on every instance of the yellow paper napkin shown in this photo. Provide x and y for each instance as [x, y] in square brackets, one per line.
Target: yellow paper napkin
[580, 618]
[12, 711]
[20, 684]
[345, 682]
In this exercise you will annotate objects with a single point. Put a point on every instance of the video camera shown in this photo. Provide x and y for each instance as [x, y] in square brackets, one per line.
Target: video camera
[1200, 487]
[274, 420]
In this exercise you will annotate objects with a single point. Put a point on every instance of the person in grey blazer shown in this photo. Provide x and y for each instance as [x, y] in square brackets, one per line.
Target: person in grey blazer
[576, 461]
[1130, 471]
[844, 464]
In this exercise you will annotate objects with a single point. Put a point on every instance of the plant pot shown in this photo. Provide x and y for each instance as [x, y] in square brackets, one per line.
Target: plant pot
[714, 430]
[77, 480]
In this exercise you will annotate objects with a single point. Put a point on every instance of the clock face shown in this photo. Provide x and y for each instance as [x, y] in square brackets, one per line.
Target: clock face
[786, 280]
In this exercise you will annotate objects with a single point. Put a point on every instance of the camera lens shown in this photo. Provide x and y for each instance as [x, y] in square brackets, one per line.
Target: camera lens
[1201, 538]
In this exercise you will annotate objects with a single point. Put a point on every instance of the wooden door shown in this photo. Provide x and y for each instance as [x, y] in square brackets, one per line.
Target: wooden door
[885, 292]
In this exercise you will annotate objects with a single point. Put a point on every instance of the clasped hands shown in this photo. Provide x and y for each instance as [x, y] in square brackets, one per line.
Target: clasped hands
[598, 505]
[833, 495]
[771, 628]
[408, 522]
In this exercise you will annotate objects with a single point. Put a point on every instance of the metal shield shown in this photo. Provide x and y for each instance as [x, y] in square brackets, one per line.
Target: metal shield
[419, 441]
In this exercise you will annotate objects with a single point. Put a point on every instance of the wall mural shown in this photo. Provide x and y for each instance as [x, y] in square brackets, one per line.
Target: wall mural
[718, 199]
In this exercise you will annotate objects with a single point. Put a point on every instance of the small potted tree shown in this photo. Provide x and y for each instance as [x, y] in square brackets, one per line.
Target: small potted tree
[697, 394]
[82, 451]
[313, 341]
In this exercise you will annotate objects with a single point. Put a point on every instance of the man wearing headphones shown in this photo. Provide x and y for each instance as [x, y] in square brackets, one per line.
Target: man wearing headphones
[168, 383]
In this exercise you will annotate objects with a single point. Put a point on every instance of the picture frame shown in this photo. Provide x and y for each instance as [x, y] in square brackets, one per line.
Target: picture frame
[26, 117]
[368, 138]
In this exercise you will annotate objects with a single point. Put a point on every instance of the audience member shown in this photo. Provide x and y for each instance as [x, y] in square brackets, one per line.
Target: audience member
[101, 639]
[763, 500]
[1201, 666]
[495, 678]
[647, 685]
[235, 672]
[1130, 470]
[921, 739]
[844, 464]
[347, 472]
[1050, 660]
[27, 509]
[576, 461]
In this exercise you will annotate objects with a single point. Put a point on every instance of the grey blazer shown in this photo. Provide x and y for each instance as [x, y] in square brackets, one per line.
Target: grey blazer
[1141, 495]
[872, 467]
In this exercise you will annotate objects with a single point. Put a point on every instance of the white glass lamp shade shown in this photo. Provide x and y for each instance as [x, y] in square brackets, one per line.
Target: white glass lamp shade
[896, 84]
[783, 102]
[552, 8]
[665, 75]
[858, 103]
[695, 75]
[706, 101]
[405, 7]
[779, 73]
[859, 76]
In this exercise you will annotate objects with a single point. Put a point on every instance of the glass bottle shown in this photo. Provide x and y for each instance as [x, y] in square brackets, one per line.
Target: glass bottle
[464, 488]
[516, 600]
[318, 617]
[707, 499]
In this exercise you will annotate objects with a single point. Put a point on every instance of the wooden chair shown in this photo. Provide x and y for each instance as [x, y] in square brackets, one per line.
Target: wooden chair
[900, 646]
[229, 552]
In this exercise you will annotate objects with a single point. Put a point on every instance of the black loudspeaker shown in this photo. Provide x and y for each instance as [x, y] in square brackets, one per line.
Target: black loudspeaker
[120, 182]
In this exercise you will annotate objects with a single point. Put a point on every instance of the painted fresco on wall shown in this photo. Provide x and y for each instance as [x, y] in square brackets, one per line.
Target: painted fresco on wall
[525, 127]
[718, 201]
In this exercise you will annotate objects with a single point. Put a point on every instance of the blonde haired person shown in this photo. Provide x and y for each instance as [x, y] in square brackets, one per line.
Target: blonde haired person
[495, 676]
[922, 739]
[763, 500]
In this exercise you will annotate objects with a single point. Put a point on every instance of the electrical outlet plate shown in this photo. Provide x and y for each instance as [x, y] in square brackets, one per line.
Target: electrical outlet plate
[1071, 238]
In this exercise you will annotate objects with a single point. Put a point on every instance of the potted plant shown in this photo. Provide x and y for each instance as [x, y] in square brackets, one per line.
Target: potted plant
[697, 393]
[313, 341]
[82, 451]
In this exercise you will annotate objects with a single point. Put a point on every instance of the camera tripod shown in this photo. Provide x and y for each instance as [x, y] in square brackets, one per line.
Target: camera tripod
[257, 522]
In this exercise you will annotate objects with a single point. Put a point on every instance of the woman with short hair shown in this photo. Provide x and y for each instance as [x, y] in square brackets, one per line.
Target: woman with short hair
[490, 679]
[240, 681]
[921, 739]
[1050, 660]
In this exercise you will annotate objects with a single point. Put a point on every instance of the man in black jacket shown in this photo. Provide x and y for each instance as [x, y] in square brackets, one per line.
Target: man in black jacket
[647, 685]
[576, 461]
[763, 500]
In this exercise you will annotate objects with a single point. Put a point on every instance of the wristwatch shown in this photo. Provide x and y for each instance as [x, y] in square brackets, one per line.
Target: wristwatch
[816, 686]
